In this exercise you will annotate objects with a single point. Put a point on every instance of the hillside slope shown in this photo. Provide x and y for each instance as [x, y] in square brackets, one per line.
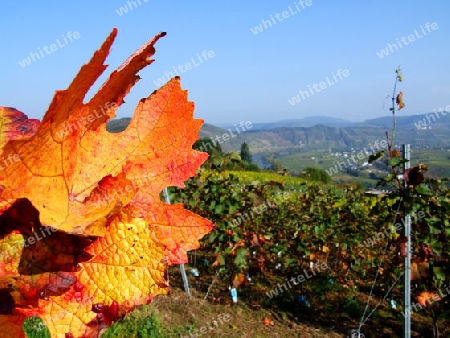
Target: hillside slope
[418, 130]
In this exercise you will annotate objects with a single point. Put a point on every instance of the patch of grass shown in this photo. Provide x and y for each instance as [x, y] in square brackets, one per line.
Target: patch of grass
[34, 327]
[140, 324]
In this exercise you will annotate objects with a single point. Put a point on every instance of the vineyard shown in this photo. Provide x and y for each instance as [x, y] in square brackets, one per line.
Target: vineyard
[89, 239]
[320, 248]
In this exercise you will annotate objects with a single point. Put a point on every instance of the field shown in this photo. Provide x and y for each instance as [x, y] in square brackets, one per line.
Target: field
[249, 177]
[438, 161]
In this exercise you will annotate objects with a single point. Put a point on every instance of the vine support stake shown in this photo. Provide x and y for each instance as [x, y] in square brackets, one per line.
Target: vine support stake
[407, 285]
[182, 269]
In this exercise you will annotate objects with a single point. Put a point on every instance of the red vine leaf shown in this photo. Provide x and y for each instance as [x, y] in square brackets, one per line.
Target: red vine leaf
[85, 235]
[15, 125]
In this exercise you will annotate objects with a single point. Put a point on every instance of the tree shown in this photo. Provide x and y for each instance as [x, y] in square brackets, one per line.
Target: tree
[209, 146]
[214, 150]
[276, 166]
[315, 174]
[245, 153]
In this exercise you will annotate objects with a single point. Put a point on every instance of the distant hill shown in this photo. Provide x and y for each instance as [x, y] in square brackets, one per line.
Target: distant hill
[118, 125]
[209, 130]
[430, 120]
[336, 134]
[308, 121]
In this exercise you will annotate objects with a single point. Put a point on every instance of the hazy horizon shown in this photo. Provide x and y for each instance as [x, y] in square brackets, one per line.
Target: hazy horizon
[312, 116]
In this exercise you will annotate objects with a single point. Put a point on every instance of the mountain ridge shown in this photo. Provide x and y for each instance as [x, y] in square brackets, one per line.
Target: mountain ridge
[422, 130]
[433, 118]
[308, 121]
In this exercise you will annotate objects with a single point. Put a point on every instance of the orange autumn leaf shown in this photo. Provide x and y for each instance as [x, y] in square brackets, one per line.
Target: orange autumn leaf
[238, 279]
[394, 153]
[399, 101]
[429, 297]
[15, 125]
[128, 279]
[268, 321]
[9, 328]
[86, 236]
[255, 240]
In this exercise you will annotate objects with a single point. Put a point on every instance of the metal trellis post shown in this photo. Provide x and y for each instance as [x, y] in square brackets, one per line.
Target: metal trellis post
[407, 284]
[182, 269]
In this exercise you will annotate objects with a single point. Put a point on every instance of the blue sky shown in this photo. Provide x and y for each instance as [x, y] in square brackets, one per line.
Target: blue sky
[251, 76]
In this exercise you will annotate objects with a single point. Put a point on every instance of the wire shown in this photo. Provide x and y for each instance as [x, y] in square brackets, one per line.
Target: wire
[384, 298]
[376, 276]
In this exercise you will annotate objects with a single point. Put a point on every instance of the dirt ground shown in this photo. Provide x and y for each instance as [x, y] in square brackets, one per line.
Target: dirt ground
[217, 316]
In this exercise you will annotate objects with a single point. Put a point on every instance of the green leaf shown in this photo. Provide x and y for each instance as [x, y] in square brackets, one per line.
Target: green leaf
[438, 274]
[375, 156]
[394, 161]
[234, 156]
[447, 232]
[219, 209]
[241, 257]
[389, 177]
[424, 190]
